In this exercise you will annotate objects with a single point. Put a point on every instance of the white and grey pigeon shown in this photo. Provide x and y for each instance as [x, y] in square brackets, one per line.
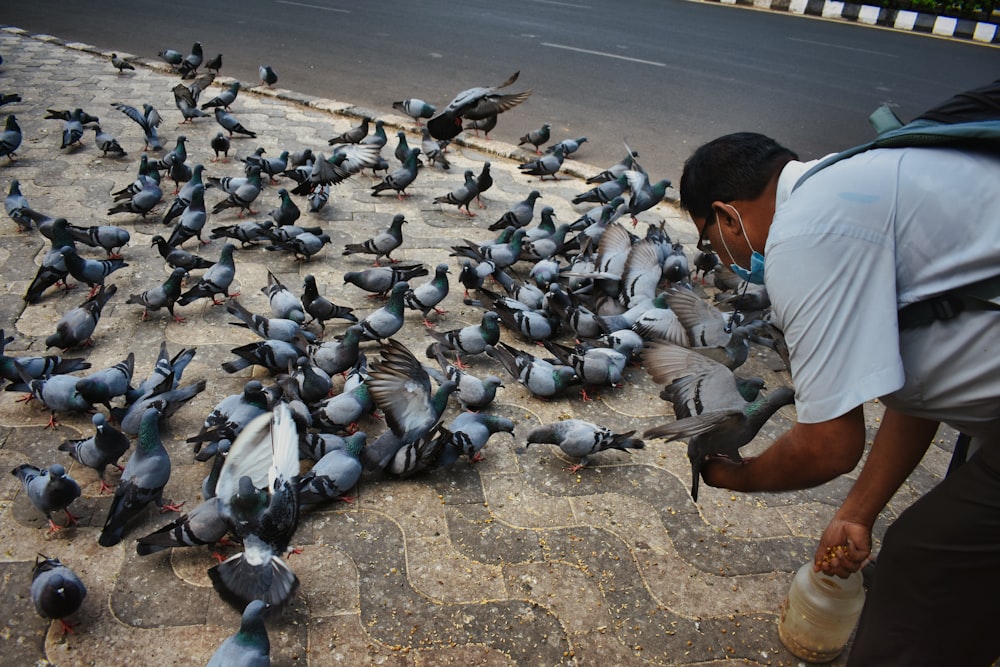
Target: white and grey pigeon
[283, 301]
[146, 473]
[264, 517]
[415, 108]
[581, 439]
[715, 411]
[49, 490]
[249, 647]
[469, 433]
[56, 591]
[475, 104]
[100, 450]
[386, 321]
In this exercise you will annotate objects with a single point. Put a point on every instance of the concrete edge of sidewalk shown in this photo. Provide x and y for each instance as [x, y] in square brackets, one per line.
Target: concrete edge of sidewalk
[898, 19]
[491, 147]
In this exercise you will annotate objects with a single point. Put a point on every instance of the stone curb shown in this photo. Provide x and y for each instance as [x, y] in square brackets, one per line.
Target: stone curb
[897, 19]
[394, 122]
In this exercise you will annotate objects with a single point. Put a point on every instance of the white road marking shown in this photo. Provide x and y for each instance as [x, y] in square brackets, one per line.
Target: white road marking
[838, 46]
[563, 4]
[302, 4]
[606, 55]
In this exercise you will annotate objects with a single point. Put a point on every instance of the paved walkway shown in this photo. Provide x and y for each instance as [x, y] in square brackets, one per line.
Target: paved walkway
[513, 561]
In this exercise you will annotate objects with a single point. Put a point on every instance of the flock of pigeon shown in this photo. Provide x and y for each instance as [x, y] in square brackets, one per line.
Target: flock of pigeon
[592, 293]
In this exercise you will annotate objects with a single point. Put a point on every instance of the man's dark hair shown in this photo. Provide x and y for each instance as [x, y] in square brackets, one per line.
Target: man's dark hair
[735, 166]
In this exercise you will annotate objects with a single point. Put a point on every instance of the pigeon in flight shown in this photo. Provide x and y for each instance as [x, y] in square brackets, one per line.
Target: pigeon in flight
[475, 104]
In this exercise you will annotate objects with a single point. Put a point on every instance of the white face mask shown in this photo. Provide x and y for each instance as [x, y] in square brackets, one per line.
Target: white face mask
[755, 274]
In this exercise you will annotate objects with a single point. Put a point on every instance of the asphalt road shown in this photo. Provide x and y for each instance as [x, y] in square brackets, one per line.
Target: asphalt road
[665, 74]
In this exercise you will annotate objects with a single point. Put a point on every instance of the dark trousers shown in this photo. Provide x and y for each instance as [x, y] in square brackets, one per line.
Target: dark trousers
[936, 596]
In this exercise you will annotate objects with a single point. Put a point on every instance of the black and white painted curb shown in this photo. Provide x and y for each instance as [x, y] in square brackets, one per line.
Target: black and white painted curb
[898, 19]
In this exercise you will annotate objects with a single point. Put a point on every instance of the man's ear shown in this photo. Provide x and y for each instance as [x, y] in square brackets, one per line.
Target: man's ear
[724, 215]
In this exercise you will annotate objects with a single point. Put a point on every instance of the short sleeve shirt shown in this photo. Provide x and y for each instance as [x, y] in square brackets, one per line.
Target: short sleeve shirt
[860, 239]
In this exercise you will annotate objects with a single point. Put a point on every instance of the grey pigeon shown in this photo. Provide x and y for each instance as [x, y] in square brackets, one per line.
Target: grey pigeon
[400, 178]
[56, 590]
[220, 144]
[594, 366]
[354, 135]
[433, 150]
[473, 393]
[347, 160]
[302, 246]
[250, 646]
[231, 415]
[93, 272]
[474, 104]
[100, 450]
[283, 301]
[415, 108]
[337, 356]
[9, 98]
[49, 490]
[205, 524]
[58, 394]
[581, 439]
[231, 124]
[402, 147]
[186, 103]
[335, 473]
[484, 181]
[546, 165]
[401, 388]
[568, 146]
[108, 383]
[469, 340]
[16, 368]
[146, 473]
[191, 62]
[148, 120]
[380, 279]
[321, 309]
[712, 412]
[16, 205]
[540, 377]
[161, 296]
[243, 197]
[167, 398]
[107, 143]
[426, 296]
[463, 194]
[469, 433]
[120, 63]
[10, 138]
[264, 519]
[270, 166]
[603, 192]
[225, 98]
[536, 137]
[142, 202]
[274, 355]
[166, 375]
[72, 132]
[76, 326]
[383, 243]
[267, 75]
[484, 125]
[107, 237]
[215, 281]
[248, 232]
[178, 258]
[287, 212]
[645, 195]
[519, 214]
[344, 410]
[378, 137]
[172, 57]
[386, 321]
[275, 328]
[192, 220]
[617, 169]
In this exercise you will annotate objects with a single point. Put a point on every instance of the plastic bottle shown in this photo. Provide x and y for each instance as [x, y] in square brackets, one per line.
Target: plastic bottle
[819, 614]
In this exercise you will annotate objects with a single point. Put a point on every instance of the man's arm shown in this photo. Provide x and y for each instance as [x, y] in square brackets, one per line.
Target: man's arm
[806, 455]
[901, 442]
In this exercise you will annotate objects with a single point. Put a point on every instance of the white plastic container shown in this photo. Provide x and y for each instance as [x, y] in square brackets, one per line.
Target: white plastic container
[819, 614]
